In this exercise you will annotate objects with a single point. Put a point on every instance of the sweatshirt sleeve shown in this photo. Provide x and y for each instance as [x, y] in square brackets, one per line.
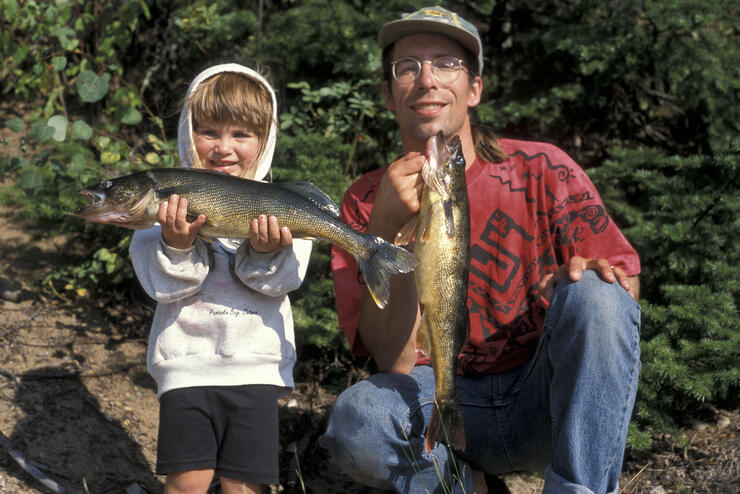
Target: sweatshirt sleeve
[273, 273]
[167, 274]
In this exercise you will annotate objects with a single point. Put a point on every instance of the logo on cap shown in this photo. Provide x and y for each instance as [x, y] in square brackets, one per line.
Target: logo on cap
[440, 14]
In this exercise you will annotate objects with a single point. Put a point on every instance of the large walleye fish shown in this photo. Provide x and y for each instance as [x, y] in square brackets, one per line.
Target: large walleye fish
[441, 239]
[231, 203]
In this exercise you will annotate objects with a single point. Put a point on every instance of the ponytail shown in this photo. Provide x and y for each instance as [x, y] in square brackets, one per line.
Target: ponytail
[486, 144]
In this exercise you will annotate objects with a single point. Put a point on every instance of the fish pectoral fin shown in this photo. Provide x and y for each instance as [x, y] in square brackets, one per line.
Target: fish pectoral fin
[449, 218]
[205, 238]
[423, 340]
[406, 235]
[210, 224]
[423, 227]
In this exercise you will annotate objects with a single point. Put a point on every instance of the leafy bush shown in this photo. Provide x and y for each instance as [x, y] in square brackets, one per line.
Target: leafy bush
[683, 216]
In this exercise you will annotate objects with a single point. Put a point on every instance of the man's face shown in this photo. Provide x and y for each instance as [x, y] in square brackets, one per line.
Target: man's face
[426, 106]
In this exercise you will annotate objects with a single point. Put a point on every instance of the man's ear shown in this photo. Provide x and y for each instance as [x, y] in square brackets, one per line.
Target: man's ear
[476, 89]
[388, 96]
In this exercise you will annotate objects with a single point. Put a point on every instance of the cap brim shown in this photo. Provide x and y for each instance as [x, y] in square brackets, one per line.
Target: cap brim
[393, 31]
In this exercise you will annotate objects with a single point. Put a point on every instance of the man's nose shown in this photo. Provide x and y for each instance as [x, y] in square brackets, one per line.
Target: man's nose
[426, 76]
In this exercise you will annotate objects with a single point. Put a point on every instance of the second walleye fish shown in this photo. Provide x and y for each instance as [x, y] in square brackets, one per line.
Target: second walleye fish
[231, 203]
[441, 235]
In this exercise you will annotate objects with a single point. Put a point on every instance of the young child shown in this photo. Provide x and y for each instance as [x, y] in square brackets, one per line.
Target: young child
[221, 346]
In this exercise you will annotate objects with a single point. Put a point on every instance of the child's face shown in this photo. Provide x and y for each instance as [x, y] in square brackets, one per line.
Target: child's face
[227, 147]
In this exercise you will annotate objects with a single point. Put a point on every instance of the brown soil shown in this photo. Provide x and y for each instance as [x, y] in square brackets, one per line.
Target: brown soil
[77, 404]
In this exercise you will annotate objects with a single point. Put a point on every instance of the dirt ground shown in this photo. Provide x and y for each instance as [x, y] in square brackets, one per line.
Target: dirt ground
[78, 408]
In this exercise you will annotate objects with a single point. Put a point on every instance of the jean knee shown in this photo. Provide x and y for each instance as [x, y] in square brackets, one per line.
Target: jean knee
[366, 426]
[601, 314]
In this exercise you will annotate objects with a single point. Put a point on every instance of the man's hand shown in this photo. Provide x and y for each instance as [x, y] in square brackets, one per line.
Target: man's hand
[574, 268]
[177, 231]
[398, 196]
[268, 236]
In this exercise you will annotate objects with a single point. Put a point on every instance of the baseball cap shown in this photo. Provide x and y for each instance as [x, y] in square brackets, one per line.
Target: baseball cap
[437, 20]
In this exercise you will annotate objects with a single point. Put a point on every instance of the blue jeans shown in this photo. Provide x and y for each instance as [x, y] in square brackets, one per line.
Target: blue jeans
[565, 412]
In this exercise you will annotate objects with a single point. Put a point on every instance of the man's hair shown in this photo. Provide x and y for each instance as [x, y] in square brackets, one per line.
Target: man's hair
[232, 98]
[484, 139]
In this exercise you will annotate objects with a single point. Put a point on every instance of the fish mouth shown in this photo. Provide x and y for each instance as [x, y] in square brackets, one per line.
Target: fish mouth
[96, 200]
[439, 156]
[101, 211]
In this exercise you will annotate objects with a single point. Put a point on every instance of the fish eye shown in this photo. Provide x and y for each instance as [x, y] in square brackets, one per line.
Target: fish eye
[106, 184]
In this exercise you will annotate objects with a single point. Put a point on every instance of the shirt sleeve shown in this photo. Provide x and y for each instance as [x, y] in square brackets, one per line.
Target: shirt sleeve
[273, 273]
[167, 274]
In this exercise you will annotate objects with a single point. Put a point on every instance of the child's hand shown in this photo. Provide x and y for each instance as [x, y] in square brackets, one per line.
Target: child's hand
[267, 235]
[177, 232]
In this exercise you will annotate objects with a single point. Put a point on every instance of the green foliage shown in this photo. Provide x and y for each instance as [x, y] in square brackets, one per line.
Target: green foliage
[683, 219]
[593, 74]
[642, 92]
[105, 268]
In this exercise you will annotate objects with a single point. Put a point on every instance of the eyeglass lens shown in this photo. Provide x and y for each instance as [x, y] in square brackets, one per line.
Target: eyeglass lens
[444, 69]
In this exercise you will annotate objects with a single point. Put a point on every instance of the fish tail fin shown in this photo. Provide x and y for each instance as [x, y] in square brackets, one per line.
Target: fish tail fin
[446, 425]
[385, 259]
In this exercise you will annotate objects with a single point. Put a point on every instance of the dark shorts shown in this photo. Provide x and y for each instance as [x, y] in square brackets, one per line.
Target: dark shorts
[230, 429]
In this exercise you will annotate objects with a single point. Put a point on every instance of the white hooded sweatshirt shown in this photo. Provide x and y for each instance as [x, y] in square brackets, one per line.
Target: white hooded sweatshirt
[223, 316]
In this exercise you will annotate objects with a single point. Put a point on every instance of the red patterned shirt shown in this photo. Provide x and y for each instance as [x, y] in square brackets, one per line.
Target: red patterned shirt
[529, 215]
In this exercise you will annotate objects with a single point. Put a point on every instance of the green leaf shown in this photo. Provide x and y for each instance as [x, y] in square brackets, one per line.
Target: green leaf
[31, 179]
[59, 124]
[92, 87]
[152, 158]
[82, 130]
[11, 9]
[15, 124]
[42, 131]
[109, 157]
[131, 117]
[58, 63]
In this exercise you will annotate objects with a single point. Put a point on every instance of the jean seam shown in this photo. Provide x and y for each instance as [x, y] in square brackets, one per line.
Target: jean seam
[633, 375]
[501, 419]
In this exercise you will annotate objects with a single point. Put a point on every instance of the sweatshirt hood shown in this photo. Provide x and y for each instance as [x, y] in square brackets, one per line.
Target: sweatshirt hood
[185, 143]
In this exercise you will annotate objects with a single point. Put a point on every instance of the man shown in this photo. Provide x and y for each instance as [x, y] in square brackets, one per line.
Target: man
[548, 376]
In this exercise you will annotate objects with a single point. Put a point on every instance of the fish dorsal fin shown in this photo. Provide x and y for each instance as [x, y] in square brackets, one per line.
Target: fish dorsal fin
[406, 235]
[312, 193]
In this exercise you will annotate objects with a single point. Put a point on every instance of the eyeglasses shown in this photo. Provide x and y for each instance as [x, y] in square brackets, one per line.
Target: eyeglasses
[445, 69]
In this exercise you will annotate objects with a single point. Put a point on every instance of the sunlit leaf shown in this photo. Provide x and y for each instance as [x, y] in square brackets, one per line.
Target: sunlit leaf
[59, 124]
[152, 158]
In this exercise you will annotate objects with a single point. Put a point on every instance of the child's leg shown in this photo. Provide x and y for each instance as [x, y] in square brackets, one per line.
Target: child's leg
[189, 482]
[231, 486]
